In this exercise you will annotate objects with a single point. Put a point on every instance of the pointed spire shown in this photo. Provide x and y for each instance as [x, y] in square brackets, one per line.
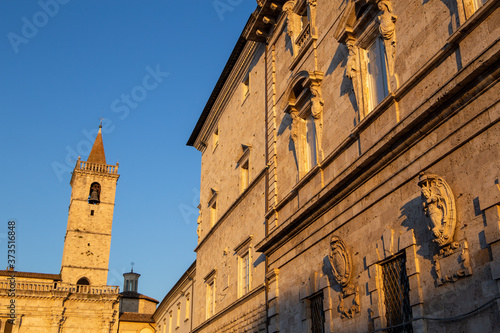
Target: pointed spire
[97, 153]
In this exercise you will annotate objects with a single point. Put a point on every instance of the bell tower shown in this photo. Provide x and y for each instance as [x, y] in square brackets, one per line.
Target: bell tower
[90, 218]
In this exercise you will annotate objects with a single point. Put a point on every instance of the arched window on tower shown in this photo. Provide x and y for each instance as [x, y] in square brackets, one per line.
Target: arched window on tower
[81, 285]
[95, 193]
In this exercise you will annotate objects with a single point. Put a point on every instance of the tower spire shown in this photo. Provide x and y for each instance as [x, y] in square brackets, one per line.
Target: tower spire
[97, 153]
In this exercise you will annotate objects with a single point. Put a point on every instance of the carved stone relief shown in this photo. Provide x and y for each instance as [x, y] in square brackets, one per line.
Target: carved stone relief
[452, 262]
[341, 269]
[387, 27]
[439, 207]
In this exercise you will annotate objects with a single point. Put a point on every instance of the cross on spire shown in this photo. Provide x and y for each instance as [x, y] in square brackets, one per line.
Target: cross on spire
[132, 263]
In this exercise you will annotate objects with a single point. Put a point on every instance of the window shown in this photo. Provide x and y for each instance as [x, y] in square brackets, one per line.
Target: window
[213, 214]
[188, 307]
[215, 138]
[210, 298]
[376, 73]
[305, 106]
[210, 293]
[178, 318]
[368, 29]
[244, 176]
[212, 203]
[245, 87]
[243, 250]
[317, 313]
[244, 165]
[396, 295]
[245, 274]
[301, 27]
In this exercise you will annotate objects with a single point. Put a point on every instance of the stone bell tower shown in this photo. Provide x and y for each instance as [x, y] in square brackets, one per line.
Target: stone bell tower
[90, 218]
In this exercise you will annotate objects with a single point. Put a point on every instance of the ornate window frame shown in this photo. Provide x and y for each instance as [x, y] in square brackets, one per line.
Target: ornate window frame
[389, 245]
[301, 26]
[304, 102]
[364, 22]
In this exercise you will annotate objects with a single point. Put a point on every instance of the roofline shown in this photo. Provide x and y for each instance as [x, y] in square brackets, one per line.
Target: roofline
[33, 275]
[181, 280]
[235, 54]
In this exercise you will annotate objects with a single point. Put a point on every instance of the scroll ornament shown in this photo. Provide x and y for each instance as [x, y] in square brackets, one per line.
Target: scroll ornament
[341, 269]
[439, 207]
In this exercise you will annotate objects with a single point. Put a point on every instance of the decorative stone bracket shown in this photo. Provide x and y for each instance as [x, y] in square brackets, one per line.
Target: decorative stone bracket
[452, 263]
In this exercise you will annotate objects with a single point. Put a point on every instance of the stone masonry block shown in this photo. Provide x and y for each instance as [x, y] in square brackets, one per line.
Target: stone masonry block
[492, 230]
[490, 195]
[406, 239]
[387, 238]
[415, 290]
[412, 264]
[495, 270]
[375, 306]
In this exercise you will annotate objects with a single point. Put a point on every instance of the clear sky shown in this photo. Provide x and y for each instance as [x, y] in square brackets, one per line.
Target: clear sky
[63, 65]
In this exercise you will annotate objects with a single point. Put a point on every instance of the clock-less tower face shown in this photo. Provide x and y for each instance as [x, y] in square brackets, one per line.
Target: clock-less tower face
[90, 219]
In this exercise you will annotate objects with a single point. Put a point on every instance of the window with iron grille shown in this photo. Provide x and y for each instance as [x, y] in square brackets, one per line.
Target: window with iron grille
[397, 298]
[317, 314]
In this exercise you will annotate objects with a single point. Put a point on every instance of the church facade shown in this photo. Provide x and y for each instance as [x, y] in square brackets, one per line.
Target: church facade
[349, 178]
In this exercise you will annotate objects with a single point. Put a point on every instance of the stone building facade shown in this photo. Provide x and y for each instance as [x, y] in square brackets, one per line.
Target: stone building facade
[175, 312]
[351, 148]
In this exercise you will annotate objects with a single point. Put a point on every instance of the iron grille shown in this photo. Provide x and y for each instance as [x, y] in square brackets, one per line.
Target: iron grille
[317, 314]
[397, 298]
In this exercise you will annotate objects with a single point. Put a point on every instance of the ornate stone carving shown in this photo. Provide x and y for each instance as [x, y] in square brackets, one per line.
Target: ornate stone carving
[351, 298]
[317, 103]
[439, 206]
[452, 262]
[387, 27]
[340, 261]
[290, 24]
[352, 57]
[341, 269]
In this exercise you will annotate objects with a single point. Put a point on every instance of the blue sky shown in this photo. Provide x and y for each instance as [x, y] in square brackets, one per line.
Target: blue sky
[63, 65]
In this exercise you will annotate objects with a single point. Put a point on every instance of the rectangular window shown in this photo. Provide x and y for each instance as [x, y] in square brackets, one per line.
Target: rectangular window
[317, 313]
[245, 87]
[312, 156]
[215, 138]
[178, 318]
[188, 308]
[244, 176]
[245, 274]
[397, 295]
[210, 298]
[377, 73]
[213, 214]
